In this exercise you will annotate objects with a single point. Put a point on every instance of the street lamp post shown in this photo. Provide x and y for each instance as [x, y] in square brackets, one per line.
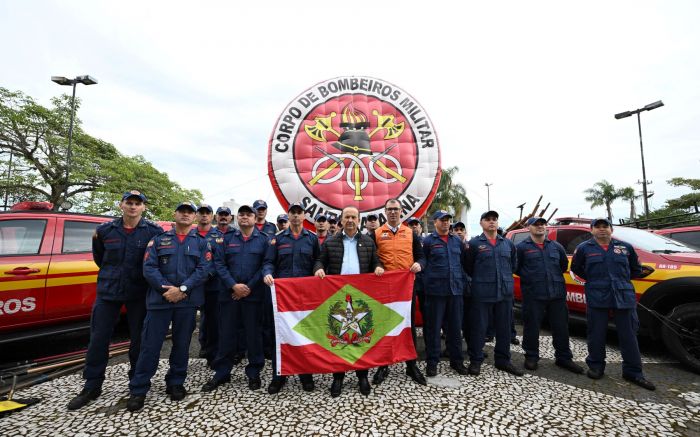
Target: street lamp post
[488, 195]
[85, 80]
[626, 114]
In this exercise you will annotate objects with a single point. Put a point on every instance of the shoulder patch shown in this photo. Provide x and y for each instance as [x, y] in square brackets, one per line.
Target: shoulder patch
[150, 243]
[273, 241]
[219, 240]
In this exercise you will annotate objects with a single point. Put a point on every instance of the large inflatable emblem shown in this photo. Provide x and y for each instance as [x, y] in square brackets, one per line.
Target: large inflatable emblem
[354, 141]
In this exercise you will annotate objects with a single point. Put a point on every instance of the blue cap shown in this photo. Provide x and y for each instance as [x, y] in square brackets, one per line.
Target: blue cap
[223, 210]
[186, 205]
[459, 224]
[259, 204]
[489, 214]
[245, 208]
[372, 216]
[206, 206]
[441, 214]
[412, 220]
[282, 218]
[133, 193]
[320, 217]
[295, 205]
[332, 220]
[600, 220]
[532, 220]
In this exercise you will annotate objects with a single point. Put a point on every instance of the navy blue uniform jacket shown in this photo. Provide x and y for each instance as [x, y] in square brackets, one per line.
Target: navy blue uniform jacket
[293, 258]
[119, 255]
[491, 268]
[242, 261]
[169, 262]
[443, 274]
[608, 273]
[541, 270]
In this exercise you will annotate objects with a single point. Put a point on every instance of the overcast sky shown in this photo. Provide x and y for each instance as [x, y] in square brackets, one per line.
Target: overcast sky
[522, 94]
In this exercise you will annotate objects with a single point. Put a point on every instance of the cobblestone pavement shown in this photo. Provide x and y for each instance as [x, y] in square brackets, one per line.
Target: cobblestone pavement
[549, 401]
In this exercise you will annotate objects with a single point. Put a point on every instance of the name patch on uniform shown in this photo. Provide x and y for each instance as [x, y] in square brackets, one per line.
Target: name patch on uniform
[233, 245]
[282, 246]
[113, 240]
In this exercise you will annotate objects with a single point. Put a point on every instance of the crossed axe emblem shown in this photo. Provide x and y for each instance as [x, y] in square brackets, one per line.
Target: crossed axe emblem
[357, 175]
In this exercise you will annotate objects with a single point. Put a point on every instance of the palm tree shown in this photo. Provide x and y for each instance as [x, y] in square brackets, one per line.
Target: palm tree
[628, 194]
[602, 193]
[451, 196]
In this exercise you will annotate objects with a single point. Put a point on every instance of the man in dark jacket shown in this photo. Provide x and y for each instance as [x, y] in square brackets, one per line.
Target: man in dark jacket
[176, 265]
[491, 261]
[541, 265]
[608, 265]
[348, 253]
[117, 248]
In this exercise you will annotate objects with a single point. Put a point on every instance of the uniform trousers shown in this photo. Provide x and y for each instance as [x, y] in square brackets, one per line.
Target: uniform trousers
[438, 308]
[627, 325]
[105, 316]
[155, 328]
[558, 316]
[250, 315]
[479, 318]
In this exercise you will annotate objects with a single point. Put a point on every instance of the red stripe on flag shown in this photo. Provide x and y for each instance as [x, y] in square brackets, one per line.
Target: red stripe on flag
[315, 359]
[307, 293]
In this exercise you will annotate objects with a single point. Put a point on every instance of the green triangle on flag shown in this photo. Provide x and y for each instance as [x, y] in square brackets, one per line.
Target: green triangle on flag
[349, 323]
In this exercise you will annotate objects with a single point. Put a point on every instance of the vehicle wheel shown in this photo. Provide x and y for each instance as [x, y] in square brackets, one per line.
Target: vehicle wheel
[684, 320]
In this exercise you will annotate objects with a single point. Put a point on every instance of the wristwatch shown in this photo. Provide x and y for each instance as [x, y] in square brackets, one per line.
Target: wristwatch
[183, 288]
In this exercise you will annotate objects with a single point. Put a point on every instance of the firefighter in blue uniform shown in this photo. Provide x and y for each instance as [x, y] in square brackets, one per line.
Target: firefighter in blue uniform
[176, 266]
[294, 253]
[444, 280]
[242, 297]
[541, 265]
[209, 320]
[491, 261]
[268, 329]
[117, 248]
[260, 210]
[608, 265]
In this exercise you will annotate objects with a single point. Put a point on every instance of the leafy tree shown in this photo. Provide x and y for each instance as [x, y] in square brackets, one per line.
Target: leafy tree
[603, 193]
[35, 140]
[451, 195]
[686, 201]
[630, 195]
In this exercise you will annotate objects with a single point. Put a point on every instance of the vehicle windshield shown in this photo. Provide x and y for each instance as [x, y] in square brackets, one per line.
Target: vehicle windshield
[650, 242]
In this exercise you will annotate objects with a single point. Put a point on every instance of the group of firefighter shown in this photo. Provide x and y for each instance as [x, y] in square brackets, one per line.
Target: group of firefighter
[464, 289]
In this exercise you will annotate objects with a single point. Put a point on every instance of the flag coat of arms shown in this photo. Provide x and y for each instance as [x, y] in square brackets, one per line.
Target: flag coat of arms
[342, 322]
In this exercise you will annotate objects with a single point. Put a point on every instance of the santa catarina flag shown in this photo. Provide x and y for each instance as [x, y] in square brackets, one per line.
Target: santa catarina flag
[343, 322]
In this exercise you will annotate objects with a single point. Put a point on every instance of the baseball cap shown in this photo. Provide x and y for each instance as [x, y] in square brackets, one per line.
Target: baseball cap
[320, 218]
[133, 193]
[459, 225]
[282, 218]
[223, 210]
[372, 216]
[437, 215]
[295, 205]
[532, 220]
[245, 208]
[489, 214]
[259, 204]
[600, 220]
[332, 220]
[412, 220]
[186, 205]
[205, 206]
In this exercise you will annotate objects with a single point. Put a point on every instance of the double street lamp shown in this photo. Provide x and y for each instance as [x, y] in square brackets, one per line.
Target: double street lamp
[85, 80]
[626, 114]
